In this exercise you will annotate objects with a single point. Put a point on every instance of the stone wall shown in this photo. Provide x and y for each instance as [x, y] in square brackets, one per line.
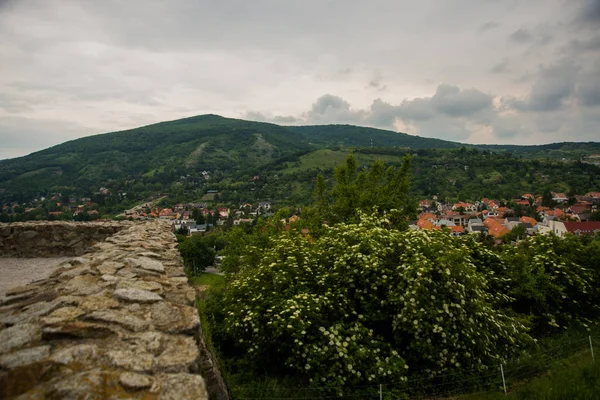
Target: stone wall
[117, 322]
[53, 239]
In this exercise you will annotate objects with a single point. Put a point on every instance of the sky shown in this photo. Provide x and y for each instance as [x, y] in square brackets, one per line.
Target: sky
[474, 71]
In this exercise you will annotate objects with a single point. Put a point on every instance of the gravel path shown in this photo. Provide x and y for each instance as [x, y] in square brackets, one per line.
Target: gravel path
[20, 271]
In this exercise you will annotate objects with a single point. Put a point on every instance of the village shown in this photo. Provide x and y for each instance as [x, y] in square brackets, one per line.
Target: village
[554, 212]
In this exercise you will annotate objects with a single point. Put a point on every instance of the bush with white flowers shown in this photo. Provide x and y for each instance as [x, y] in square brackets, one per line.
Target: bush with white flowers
[367, 304]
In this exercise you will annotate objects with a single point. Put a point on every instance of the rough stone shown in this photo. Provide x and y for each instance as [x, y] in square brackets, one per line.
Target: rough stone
[131, 360]
[179, 355]
[119, 317]
[146, 263]
[150, 286]
[109, 267]
[135, 381]
[24, 357]
[81, 353]
[17, 336]
[170, 318]
[77, 329]
[84, 385]
[21, 289]
[62, 315]
[75, 272]
[137, 295]
[28, 235]
[180, 386]
[98, 302]
[83, 285]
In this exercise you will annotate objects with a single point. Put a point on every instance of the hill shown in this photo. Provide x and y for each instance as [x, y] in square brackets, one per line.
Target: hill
[169, 157]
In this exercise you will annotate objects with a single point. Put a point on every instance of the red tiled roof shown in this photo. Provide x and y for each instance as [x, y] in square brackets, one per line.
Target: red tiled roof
[583, 227]
[528, 220]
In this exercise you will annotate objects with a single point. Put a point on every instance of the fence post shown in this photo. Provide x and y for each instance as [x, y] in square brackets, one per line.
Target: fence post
[591, 347]
[380, 391]
[503, 381]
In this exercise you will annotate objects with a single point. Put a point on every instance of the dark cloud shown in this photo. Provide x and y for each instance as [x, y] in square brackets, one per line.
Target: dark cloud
[453, 101]
[377, 82]
[553, 86]
[328, 102]
[521, 36]
[588, 88]
[589, 13]
[487, 26]
[500, 67]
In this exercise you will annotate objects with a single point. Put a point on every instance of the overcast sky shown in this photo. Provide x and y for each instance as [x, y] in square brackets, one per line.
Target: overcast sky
[475, 71]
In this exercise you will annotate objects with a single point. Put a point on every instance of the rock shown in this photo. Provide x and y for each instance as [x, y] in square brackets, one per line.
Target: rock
[119, 317]
[77, 329]
[150, 286]
[32, 312]
[28, 235]
[131, 360]
[83, 285]
[150, 342]
[109, 278]
[146, 263]
[149, 254]
[81, 353]
[98, 302]
[17, 336]
[137, 295]
[75, 272]
[126, 273]
[84, 385]
[24, 357]
[21, 289]
[179, 355]
[134, 381]
[109, 267]
[180, 386]
[17, 298]
[62, 315]
[169, 318]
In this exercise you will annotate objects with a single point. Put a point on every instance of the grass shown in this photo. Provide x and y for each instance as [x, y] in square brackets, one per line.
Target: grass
[212, 280]
[575, 378]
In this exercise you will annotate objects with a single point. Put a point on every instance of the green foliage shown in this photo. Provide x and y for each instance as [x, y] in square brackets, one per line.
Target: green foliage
[548, 283]
[197, 254]
[361, 304]
[386, 190]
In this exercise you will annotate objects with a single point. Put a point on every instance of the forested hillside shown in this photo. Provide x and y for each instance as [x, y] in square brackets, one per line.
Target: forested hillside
[169, 158]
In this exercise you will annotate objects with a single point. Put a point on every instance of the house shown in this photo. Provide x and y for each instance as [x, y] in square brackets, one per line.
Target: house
[424, 204]
[242, 221]
[457, 230]
[582, 228]
[424, 224]
[495, 228]
[475, 225]
[527, 196]
[265, 205]
[528, 220]
[559, 197]
[428, 216]
[467, 207]
[444, 222]
[223, 212]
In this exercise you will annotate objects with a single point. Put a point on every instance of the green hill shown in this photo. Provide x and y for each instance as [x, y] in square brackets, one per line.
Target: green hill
[153, 158]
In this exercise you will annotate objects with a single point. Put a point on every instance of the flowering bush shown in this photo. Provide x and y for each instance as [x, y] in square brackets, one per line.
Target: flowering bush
[548, 285]
[363, 303]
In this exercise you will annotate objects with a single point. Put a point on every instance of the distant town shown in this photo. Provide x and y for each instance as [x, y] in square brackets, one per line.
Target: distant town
[552, 212]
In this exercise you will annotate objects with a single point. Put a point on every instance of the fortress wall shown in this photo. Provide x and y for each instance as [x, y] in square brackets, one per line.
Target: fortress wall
[116, 322]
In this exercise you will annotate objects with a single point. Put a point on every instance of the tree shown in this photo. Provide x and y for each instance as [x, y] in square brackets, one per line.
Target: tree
[595, 216]
[385, 190]
[354, 307]
[547, 199]
[196, 254]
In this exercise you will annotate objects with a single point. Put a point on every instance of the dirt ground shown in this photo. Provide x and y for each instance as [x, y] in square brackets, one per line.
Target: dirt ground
[20, 271]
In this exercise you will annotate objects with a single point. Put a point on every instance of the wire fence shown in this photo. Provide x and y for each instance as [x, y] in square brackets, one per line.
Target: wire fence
[502, 378]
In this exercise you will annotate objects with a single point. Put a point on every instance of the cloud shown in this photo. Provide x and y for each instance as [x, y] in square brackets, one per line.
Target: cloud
[521, 36]
[487, 26]
[453, 101]
[499, 68]
[553, 87]
[590, 13]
